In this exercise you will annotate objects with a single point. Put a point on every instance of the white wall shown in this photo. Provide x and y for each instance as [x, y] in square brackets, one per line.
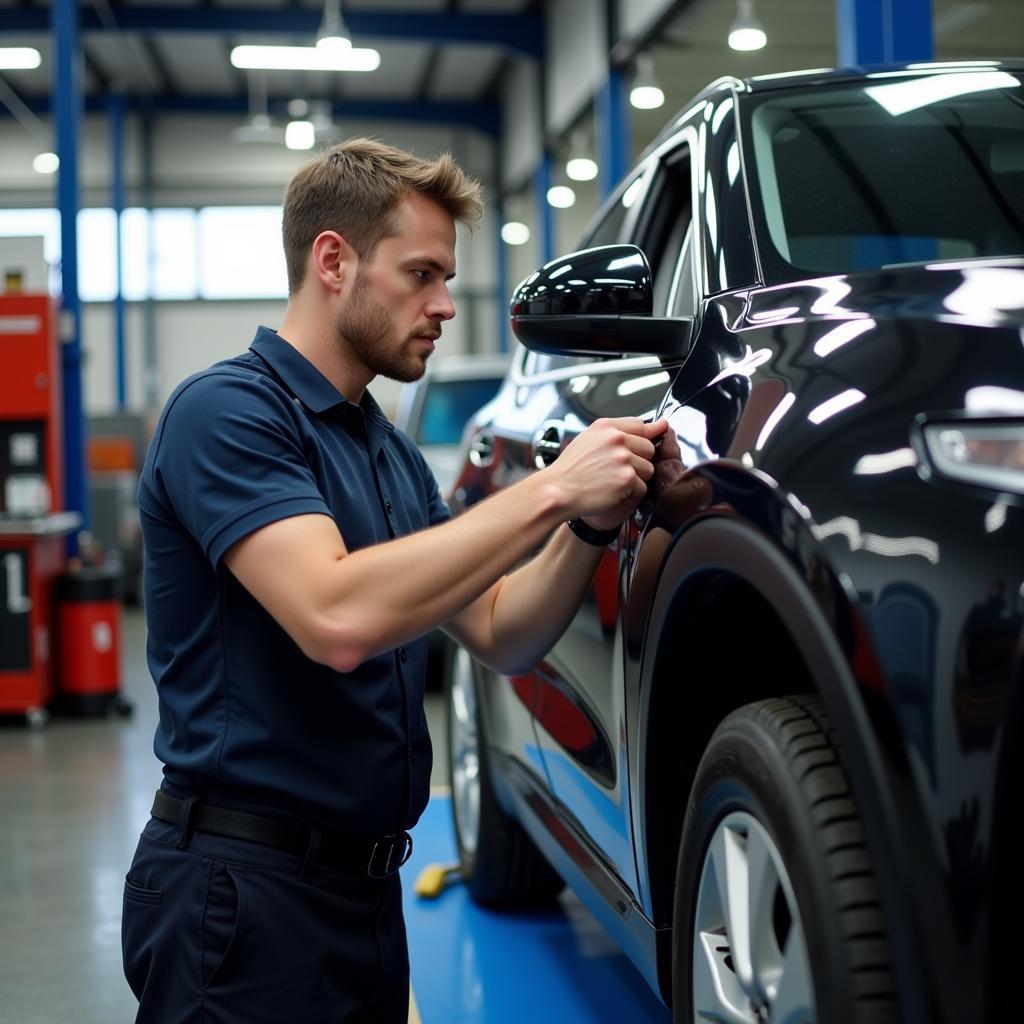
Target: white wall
[196, 164]
[577, 63]
[637, 16]
[523, 132]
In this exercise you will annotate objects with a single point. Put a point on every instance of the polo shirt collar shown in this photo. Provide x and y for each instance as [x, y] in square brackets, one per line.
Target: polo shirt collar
[304, 380]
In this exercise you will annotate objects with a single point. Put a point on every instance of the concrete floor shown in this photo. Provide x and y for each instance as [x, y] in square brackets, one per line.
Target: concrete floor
[73, 798]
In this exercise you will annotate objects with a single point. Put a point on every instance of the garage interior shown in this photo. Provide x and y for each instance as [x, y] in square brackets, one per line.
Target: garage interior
[143, 116]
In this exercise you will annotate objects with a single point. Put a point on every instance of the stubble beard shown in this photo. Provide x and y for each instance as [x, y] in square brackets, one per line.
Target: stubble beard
[367, 327]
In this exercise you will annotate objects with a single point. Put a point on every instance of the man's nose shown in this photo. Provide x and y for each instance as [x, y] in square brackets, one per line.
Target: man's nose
[440, 306]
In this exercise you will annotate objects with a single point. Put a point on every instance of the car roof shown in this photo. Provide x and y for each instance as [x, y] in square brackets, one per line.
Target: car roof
[816, 77]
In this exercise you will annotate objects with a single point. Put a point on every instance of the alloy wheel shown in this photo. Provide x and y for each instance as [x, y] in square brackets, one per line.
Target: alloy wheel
[465, 751]
[750, 962]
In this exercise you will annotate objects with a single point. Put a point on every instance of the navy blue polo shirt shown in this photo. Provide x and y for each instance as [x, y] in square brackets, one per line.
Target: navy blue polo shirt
[245, 716]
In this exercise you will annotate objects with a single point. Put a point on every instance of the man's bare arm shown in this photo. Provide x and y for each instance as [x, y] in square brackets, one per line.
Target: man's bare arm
[342, 608]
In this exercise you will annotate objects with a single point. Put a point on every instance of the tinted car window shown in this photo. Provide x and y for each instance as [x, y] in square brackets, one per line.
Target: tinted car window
[895, 171]
[448, 405]
[665, 227]
[609, 227]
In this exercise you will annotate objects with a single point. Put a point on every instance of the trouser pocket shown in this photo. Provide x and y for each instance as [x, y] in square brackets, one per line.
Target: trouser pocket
[140, 925]
[221, 917]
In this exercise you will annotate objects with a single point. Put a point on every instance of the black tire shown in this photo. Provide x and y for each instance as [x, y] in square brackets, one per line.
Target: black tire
[500, 865]
[776, 762]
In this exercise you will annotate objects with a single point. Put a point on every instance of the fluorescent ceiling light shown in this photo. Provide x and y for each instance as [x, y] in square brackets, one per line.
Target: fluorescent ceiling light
[299, 135]
[561, 196]
[333, 36]
[747, 32]
[305, 58]
[46, 163]
[645, 94]
[515, 233]
[581, 168]
[902, 97]
[19, 58]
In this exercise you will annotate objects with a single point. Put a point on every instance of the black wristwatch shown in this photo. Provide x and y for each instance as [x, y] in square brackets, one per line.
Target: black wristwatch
[599, 538]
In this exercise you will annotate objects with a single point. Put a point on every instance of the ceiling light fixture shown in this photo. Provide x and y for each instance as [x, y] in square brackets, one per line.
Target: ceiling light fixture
[579, 166]
[305, 58]
[19, 58]
[46, 163]
[333, 35]
[747, 32]
[645, 94]
[258, 126]
[515, 232]
[300, 135]
[561, 196]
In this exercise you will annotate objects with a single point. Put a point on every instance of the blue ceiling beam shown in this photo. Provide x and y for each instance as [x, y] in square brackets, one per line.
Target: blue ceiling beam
[485, 117]
[520, 32]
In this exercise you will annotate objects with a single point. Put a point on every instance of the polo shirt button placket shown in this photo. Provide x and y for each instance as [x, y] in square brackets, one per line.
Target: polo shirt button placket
[388, 507]
[403, 655]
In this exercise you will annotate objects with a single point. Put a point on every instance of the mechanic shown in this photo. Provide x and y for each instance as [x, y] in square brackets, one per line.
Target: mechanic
[297, 552]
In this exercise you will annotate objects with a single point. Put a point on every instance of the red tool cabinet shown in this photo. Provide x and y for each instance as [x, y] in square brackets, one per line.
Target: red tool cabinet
[32, 555]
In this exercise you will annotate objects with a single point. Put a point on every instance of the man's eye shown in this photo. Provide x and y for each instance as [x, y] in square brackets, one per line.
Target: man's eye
[422, 275]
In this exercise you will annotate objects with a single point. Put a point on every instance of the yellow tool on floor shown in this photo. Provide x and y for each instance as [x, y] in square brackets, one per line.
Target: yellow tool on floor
[431, 880]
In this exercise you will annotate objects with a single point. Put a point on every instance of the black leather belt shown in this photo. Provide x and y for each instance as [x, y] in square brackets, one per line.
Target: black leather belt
[377, 857]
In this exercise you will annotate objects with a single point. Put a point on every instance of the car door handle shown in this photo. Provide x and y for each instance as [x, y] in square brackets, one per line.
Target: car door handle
[481, 450]
[547, 443]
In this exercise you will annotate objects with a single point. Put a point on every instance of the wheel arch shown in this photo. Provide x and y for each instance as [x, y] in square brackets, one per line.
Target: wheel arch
[720, 568]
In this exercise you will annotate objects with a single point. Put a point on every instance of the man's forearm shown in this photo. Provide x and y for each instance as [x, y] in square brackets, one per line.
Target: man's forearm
[392, 593]
[536, 603]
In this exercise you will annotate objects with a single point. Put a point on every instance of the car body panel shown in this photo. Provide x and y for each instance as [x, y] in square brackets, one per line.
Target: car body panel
[800, 472]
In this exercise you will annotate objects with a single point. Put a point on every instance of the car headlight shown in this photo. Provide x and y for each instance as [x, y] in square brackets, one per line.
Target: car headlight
[987, 454]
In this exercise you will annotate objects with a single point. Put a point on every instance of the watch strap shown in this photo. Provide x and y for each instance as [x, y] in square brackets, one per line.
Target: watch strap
[599, 538]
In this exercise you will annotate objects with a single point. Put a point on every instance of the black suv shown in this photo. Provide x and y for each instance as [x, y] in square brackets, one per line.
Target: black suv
[777, 750]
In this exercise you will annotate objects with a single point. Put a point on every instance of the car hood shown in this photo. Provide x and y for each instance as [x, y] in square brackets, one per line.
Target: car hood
[982, 292]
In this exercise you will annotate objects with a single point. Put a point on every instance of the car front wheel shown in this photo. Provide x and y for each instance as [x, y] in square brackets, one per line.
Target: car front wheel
[777, 917]
[499, 863]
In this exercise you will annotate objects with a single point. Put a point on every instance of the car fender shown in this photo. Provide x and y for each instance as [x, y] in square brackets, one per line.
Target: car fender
[746, 529]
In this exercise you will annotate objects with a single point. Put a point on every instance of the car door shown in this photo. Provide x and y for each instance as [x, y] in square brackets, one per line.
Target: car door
[577, 691]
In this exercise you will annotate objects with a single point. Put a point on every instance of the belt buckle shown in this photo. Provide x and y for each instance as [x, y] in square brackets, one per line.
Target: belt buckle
[383, 858]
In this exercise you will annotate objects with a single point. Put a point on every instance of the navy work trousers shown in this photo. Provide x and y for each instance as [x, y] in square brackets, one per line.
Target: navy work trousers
[223, 931]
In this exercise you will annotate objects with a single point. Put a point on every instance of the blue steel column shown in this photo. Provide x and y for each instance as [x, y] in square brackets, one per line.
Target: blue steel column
[501, 272]
[884, 31]
[116, 111]
[68, 108]
[613, 130]
[545, 215]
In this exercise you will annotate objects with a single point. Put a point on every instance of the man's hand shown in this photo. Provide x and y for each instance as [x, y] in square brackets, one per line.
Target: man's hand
[604, 471]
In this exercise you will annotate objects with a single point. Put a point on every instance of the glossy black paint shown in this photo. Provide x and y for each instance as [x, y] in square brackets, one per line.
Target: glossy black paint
[796, 519]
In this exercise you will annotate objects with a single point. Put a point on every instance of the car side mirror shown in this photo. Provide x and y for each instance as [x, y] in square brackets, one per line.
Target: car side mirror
[597, 302]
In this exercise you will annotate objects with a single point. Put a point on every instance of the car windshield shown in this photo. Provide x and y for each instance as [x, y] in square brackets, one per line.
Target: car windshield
[899, 170]
[449, 404]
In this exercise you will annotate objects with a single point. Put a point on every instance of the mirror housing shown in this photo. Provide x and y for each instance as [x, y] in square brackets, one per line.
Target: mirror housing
[597, 302]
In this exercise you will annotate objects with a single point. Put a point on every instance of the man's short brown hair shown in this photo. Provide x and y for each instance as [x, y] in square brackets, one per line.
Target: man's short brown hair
[352, 188]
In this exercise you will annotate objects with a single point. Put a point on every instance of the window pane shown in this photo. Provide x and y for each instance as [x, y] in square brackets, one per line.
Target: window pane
[174, 273]
[96, 278]
[240, 254]
[449, 405]
[33, 224]
[135, 254]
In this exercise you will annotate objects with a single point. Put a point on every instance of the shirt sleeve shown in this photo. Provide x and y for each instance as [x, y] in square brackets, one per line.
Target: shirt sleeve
[229, 459]
[437, 508]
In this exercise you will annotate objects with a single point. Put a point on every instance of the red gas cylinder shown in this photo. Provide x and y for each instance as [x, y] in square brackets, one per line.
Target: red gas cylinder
[89, 642]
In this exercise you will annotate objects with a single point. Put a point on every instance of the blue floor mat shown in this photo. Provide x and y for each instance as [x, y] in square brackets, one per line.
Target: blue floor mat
[475, 966]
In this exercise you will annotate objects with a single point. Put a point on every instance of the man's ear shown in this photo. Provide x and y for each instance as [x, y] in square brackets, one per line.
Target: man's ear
[333, 260]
